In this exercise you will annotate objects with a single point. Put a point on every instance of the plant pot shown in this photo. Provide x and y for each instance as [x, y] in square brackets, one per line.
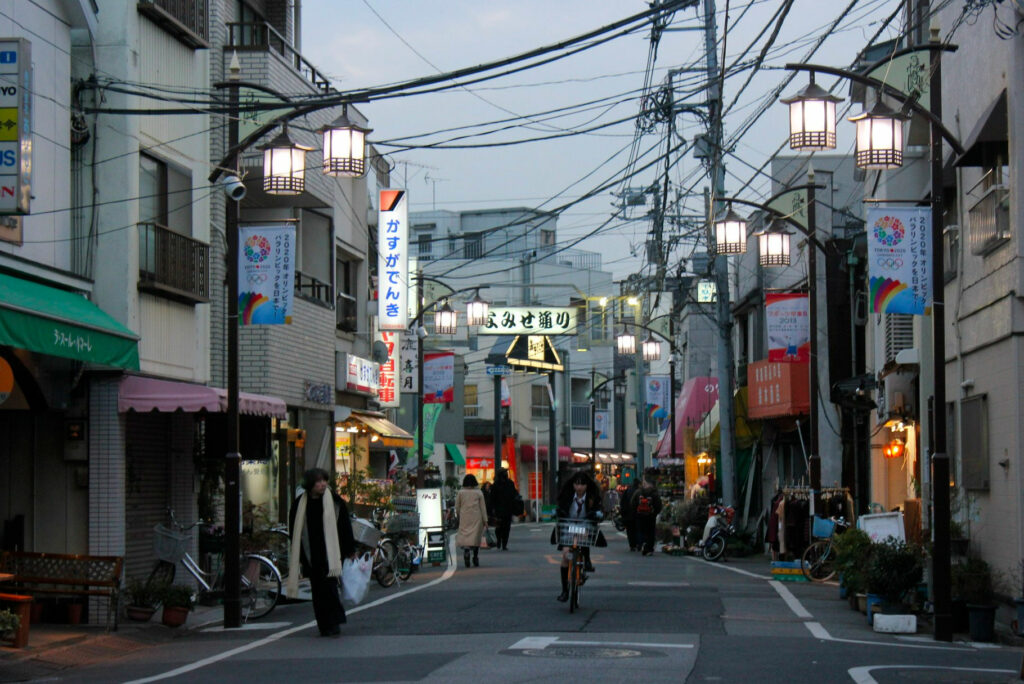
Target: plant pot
[842, 587]
[1019, 602]
[139, 613]
[851, 598]
[862, 603]
[874, 602]
[174, 616]
[982, 622]
[75, 613]
[958, 611]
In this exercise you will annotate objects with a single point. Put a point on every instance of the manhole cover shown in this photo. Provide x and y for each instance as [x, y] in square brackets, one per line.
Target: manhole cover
[581, 652]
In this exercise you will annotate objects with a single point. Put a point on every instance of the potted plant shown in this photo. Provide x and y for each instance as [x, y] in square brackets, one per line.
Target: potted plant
[895, 568]
[852, 549]
[9, 623]
[143, 598]
[958, 541]
[178, 602]
[971, 581]
[1018, 601]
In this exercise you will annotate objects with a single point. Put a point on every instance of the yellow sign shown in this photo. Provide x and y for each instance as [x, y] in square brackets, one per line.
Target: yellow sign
[535, 348]
[9, 124]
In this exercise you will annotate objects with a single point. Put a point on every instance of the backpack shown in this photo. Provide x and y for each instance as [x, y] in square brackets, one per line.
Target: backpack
[518, 506]
[644, 505]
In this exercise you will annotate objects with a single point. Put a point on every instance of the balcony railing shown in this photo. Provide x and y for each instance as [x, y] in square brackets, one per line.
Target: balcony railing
[311, 288]
[990, 220]
[262, 36]
[186, 20]
[173, 265]
[579, 416]
[470, 411]
[345, 308]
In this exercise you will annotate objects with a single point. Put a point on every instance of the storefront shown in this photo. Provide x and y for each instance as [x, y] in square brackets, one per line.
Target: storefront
[609, 466]
[706, 462]
[367, 441]
[480, 459]
[694, 403]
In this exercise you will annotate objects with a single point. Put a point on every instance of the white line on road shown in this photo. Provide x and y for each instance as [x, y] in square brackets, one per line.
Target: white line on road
[659, 584]
[819, 632]
[542, 642]
[791, 601]
[726, 567]
[192, 667]
[532, 642]
[250, 626]
[862, 675]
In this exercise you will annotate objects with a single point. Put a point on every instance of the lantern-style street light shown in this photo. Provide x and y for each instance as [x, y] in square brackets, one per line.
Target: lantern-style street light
[730, 233]
[445, 320]
[651, 348]
[773, 245]
[284, 165]
[625, 342]
[879, 137]
[344, 146]
[812, 118]
[476, 310]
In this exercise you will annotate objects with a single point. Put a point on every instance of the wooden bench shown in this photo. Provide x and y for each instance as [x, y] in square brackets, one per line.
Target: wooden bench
[65, 575]
[20, 606]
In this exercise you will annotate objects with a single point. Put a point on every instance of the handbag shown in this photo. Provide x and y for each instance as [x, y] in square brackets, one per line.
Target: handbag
[489, 539]
[355, 578]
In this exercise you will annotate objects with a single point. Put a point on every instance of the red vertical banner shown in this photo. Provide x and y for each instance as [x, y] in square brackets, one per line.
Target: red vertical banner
[787, 323]
[439, 377]
[536, 485]
[387, 393]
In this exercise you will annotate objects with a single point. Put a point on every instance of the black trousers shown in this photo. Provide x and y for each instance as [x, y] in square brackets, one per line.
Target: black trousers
[645, 531]
[502, 531]
[327, 606]
[631, 532]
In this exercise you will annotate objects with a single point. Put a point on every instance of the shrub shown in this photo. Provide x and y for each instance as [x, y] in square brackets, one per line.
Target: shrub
[179, 595]
[9, 622]
[144, 594]
[895, 568]
[972, 581]
[853, 552]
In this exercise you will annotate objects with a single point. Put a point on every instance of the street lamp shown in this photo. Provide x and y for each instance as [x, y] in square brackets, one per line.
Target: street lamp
[476, 310]
[879, 137]
[651, 348]
[344, 147]
[730, 233]
[939, 459]
[625, 342]
[445, 320]
[773, 246]
[284, 165]
[812, 118]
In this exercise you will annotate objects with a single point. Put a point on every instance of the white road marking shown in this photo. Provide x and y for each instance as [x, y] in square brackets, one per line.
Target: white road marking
[726, 567]
[790, 600]
[819, 632]
[251, 626]
[862, 675]
[542, 642]
[532, 642]
[659, 584]
[192, 667]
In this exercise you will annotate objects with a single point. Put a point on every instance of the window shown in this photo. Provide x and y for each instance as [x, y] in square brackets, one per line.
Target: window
[186, 20]
[547, 238]
[540, 401]
[473, 246]
[974, 442]
[313, 268]
[989, 212]
[165, 195]
[346, 298]
[425, 245]
[471, 407]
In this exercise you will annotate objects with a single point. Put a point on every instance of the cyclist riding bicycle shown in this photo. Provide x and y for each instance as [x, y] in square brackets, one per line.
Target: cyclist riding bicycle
[579, 498]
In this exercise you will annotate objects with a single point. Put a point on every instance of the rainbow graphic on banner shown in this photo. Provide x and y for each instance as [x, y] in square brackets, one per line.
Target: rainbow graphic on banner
[655, 411]
[248, 303]
[887, 295]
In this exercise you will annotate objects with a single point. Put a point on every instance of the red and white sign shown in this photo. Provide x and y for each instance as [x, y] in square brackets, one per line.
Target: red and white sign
[536, 485]
[479, 463]
[361, 375]
[788, 325]
[439, 377]
[387, 393]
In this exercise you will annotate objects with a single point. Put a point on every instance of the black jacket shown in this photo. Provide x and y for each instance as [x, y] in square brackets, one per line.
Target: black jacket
[626, 502]
[503, 498]
[313, 555]
[651, 492]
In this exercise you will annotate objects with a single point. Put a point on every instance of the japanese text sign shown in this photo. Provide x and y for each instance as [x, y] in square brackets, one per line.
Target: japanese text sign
[393, 260]
[900, 260]
[439, 377]
[15, 125]
[787, 322]
[530, 320]
[390, 372]
[266, 274]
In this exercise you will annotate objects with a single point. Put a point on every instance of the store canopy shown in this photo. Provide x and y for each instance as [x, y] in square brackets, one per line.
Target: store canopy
[527, 453]
[390, 434]
[693, 403]
[747, 431]
[51, 321]
[457, 452]
[137, 393]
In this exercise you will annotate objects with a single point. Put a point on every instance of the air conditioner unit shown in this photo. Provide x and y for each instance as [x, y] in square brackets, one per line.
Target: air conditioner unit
[897, 400]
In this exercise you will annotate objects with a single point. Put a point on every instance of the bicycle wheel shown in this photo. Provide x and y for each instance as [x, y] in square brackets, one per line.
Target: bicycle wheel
[279, 544]
[260, 588]
[162, 575]
[817, 562]
[714, 548]
[384, 562]
[403, 559]
[574, 581]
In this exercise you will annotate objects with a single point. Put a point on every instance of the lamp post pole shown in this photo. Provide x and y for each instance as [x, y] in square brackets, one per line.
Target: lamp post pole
[232, 459]
[672, 382]
[593, 423]
[419, 382]
[814, 458]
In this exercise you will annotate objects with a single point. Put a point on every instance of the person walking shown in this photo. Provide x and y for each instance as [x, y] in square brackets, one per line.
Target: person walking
[321, 536]
[578, 499]
[471, 510]
[646, 505]
[629, 514]
[506, 504]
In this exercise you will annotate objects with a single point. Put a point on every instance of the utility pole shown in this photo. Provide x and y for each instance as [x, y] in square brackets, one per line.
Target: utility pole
[726, 417]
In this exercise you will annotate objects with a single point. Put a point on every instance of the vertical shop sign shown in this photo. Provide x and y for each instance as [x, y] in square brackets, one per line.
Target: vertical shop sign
[390, 371]
[407, 356]
[15, 126]
[900, 260]
[266, 274]
[393, 260]
[439, 377]
[787, 322]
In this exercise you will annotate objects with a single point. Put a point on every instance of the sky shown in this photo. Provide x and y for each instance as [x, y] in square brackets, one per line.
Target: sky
[364, 43]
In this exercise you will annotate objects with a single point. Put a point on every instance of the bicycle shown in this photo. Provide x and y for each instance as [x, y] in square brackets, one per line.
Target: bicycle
[260, 581]
[818, 560]
[576, 534]
[383, 550]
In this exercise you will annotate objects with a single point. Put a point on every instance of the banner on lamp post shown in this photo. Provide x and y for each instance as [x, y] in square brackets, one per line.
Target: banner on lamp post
[657, 396]
[900, 260]
[602, 419]
[266, 274]
[393, 260]
[787, 321]
[439, 377]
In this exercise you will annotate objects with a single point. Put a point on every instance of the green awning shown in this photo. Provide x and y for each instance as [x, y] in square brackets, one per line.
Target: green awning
[455, 452]
[59, 323]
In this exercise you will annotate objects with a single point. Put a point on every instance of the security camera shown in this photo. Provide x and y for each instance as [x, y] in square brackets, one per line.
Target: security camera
[233, 187]
[421, 332]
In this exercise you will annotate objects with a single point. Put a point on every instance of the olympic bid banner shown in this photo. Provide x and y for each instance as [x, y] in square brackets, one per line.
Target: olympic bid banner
[657, 396]
[787, 322]
[900, 260]
[438, 378]
[266, 274]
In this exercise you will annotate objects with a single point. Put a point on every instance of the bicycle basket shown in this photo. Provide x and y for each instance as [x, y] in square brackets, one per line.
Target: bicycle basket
[823, 527]
[364, 532]
[578, 532]
[169, 545]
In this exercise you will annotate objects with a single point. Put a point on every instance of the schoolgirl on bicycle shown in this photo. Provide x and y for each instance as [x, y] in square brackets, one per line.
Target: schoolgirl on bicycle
[579, 499]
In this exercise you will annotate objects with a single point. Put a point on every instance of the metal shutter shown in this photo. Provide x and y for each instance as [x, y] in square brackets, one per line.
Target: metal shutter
[147, 478]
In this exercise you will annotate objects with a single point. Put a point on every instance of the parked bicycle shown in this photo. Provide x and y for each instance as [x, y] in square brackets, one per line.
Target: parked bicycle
[575, 535]
[260, 581]
[722, 529]
[617, 520]
[818, 560]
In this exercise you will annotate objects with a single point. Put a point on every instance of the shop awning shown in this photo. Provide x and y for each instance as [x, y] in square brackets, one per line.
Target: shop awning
[747, 431]
[526, 453]
[606, 457]
[137, 393]
[694, 401]
[51, 321]
[390, 434]
[456, 452]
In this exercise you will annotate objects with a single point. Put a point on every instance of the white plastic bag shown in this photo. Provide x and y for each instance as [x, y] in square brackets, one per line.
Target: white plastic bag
[355, 578]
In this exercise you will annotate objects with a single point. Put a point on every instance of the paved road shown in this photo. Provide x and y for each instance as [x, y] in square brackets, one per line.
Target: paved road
[658, 618]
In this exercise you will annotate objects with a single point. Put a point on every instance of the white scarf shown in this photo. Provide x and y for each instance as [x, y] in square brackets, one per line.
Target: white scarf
[330, 523]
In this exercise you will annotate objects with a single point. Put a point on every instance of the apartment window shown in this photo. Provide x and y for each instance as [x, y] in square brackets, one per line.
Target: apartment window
[186, 20]
[313, 270]
[165, 195]
[473, 246]
[346, 298]
[989, 212]
[425, 245]
[471, 404]
[540, 403]
[547, 238]
[974, 442]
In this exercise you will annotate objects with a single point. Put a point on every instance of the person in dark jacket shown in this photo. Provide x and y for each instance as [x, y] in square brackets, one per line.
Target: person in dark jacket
[505, 504]
[646, 505]
[321, 537]
[579, 498]
[628, 514]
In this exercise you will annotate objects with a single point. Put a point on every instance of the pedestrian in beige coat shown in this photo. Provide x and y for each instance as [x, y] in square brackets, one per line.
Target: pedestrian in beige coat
[472, 513]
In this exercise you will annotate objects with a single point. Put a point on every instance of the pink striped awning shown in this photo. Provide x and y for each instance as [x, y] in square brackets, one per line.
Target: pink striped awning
[137, 393]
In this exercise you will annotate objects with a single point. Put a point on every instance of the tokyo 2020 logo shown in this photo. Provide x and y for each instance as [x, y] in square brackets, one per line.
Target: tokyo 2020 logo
[256, 249]
[889, 231]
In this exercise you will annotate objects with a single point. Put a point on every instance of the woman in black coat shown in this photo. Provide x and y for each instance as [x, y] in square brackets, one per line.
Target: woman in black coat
[504, 505]
[579, 498]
